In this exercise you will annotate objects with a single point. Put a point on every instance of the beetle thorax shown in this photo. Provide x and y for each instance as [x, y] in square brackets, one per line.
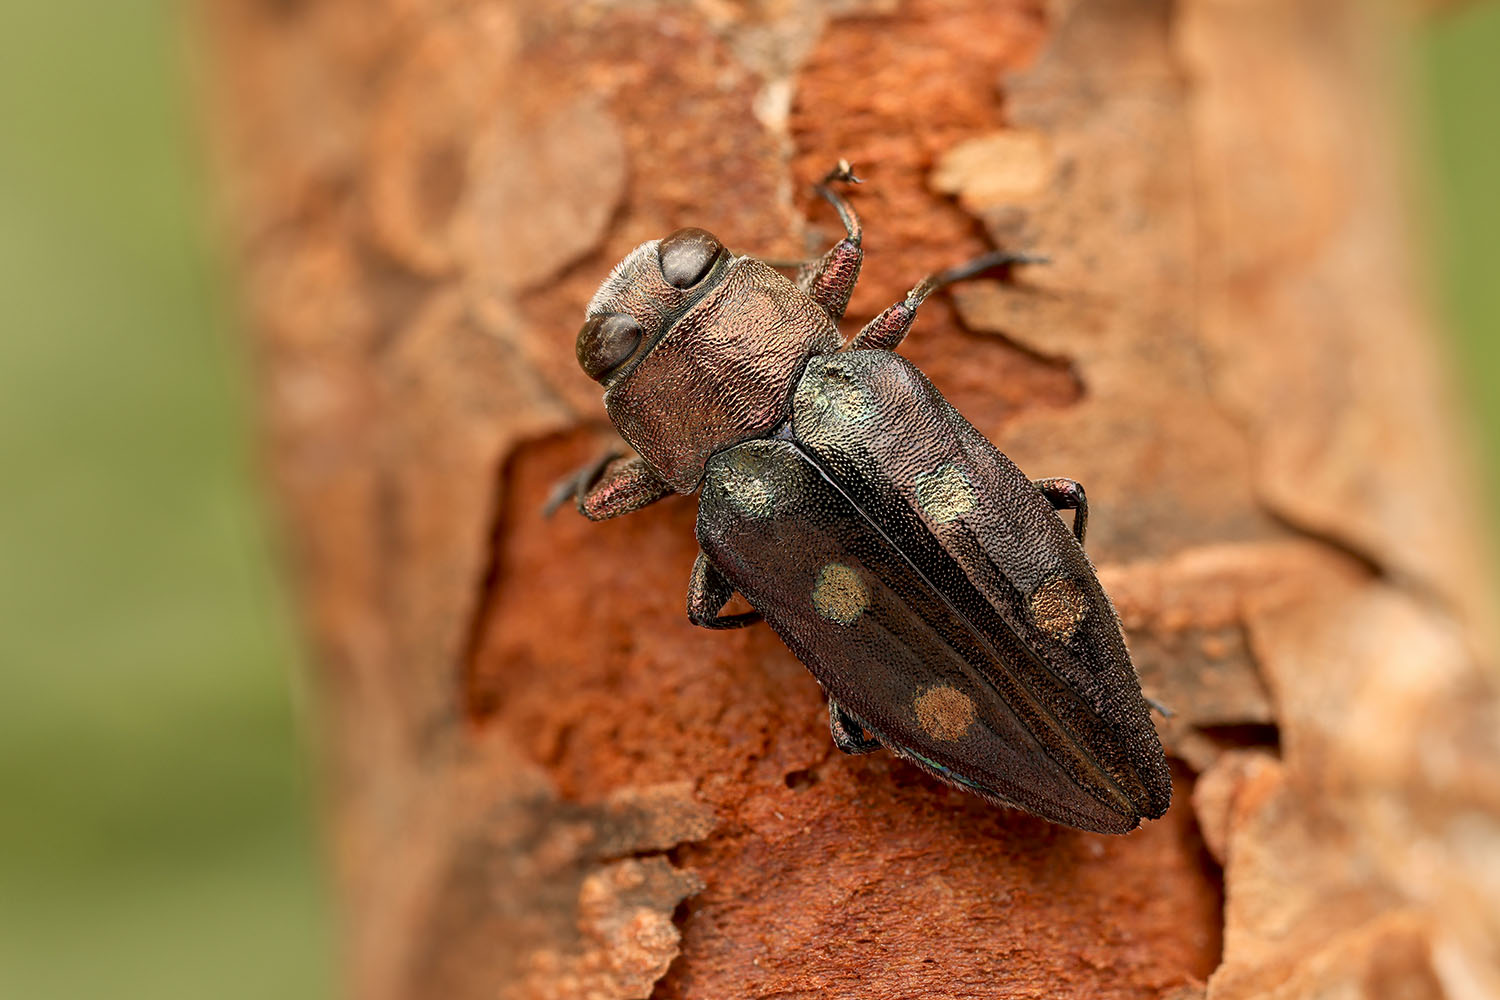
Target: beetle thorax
[722, 371]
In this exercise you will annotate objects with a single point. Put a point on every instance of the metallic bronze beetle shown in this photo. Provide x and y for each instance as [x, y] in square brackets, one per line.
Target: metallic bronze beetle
[930, 587]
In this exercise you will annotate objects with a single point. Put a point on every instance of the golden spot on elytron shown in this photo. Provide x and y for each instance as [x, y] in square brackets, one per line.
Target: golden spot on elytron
[839, 395]
[840, 595]
[1059, 606]
[750, 494]
[944, 712]
[944, 494]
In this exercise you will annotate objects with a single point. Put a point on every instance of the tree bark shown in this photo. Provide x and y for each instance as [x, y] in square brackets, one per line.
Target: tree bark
[545, 783]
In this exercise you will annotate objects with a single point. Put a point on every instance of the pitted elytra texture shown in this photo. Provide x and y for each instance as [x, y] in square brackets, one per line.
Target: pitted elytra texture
[930, 587]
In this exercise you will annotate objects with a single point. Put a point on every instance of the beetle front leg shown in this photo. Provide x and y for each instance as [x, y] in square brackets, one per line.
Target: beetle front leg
[848, 732]
[830, 279]
[708, 592]
[608, 487]
[887, 330]
[1067, 494]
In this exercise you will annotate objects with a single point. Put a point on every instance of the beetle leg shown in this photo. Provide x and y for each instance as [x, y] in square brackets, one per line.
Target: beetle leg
[609, 486]
[1067, 494]
[830, 279]
[848, 732]
[887, 330]
[708, 591]
[568, 487]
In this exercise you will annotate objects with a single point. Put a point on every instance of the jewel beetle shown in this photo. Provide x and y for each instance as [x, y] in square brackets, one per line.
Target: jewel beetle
[934, 591]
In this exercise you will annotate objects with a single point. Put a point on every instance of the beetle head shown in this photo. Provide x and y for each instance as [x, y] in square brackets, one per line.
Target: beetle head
[697, 349]
[658, 282]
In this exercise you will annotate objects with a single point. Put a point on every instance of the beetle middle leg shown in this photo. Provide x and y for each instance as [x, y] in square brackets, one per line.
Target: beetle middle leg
[830, 279]
[708, 592]
[1067, 494]
[887, 330]
[848, 732]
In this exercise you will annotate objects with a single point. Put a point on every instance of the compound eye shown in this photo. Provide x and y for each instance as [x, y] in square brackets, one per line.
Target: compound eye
[607, 342]
[687, 255]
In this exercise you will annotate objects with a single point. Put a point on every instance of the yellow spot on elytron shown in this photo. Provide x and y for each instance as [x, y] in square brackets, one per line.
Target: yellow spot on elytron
[1058, 607]
[750, 494]
[944, 712]
[841, 396]
[743, 481]
[840, 595]
[944, 494]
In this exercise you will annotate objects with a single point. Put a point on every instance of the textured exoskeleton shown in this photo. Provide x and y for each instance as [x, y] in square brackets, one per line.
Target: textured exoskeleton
[931, 588]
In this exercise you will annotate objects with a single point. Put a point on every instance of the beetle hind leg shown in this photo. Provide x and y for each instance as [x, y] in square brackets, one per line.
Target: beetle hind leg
[708, 592]
[1067, 494]
[848, 732]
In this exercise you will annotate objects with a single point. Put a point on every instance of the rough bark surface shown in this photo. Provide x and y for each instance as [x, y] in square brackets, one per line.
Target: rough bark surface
[545, 783]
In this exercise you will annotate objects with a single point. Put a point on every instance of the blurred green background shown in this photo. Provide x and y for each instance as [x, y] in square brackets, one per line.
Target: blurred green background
[1458, 58]
[157, 832]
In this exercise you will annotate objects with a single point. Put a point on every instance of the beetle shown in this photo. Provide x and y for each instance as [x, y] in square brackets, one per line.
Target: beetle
[932, 589]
